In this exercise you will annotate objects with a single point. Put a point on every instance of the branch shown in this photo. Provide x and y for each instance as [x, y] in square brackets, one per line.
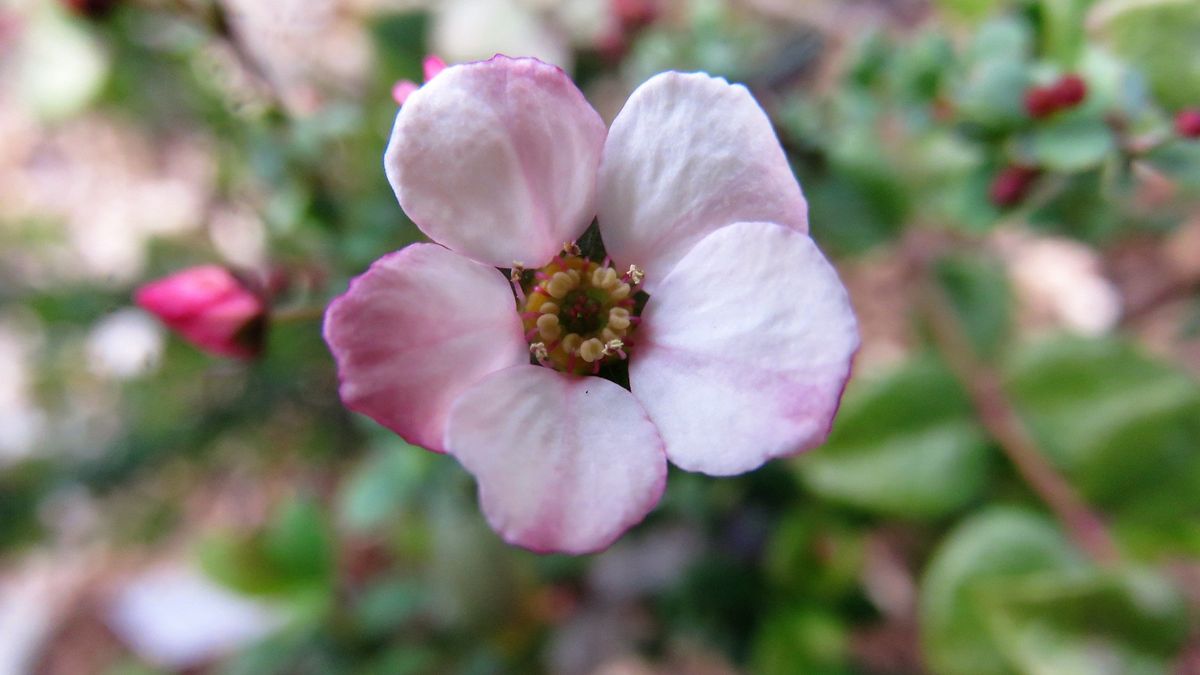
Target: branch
[998, 416]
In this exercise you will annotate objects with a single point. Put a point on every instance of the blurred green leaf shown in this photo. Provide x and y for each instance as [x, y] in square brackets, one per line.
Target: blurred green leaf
[1072, 143]
[1160, 37]
[1123, 623]
[1078, 207]
[992, 94]
[291, 556]
[299, 542]
[1179, 159]
[978, 289]
[382, 485]
[385, 606]
[971, 10]
[809, 640]
[1062, 29]
[813, 554]
[906, 445]
[997, 546]
[1121, 425]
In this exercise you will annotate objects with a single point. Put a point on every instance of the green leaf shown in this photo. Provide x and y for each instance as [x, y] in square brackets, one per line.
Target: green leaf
[1180, 161]
[1160, 38]
[905, 446]
[1121, 426]
[1072, 143]
[970, 10]
[993, 92]
[996, 546]
[977, 287]
[1124, 623]
[1062, 28]
[804, 639]
[382, 485]
[299, 543]
[292, 555]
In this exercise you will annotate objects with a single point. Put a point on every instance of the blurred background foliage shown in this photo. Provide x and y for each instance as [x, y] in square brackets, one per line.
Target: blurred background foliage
[1013, 483]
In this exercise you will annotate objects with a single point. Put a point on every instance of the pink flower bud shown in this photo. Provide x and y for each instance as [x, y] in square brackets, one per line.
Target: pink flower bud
[1187, 123]
[1012, 184]
[1040, 102]
[1069, 91]
[431, 66]
[209, 307]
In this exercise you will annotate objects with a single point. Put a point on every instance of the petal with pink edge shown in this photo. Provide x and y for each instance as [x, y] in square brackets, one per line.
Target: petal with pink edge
[415, 331]
[497, 160]
[689, 154]
[744, 349]
[564, 464]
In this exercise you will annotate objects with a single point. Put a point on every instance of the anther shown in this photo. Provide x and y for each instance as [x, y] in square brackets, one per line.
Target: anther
[548, 308]
[514, 274]
[605, 277]
[560, 284]
[571, 343]
[571, 248]
[621, 292]
[591, 350]
[538, 349]
[614, 347]
[618, 318]
[634, 275]
[548, 328]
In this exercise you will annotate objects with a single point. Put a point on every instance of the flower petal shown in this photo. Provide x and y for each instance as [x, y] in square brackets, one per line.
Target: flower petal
[564, 463]
[416, 330]
[744, 349]
[689, 154]
[497, 160]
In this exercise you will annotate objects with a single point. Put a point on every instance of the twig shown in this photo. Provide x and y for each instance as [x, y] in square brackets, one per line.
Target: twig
[1000, 419]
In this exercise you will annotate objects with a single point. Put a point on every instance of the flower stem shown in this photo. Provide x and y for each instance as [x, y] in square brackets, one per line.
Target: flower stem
[1002, 422]
[297, 314]
[1000, 419]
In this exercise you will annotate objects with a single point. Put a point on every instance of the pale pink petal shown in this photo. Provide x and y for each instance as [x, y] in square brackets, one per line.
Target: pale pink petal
[744, 349]
[432, 65]
[415, 331]
[689, 154]
[564, 463]
[497, 160]
[403, 89]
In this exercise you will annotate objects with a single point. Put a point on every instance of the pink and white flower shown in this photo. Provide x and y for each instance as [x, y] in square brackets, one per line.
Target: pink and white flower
[740, 352]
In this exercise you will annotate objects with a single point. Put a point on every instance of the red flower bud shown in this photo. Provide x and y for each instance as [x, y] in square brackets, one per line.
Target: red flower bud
[209, 307]
[634, 13]
[1069, 91]
[1040, 102]
[1187, 123]
[92, 9]
[1012, 184]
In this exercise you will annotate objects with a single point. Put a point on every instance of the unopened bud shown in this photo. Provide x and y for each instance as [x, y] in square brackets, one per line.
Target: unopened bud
[1012, 184]
[209, 307]
[1187, 123]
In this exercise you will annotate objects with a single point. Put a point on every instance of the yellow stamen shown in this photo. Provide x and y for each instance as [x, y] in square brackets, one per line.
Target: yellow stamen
[618, 318]
[548, 308]
[560, 284]
[591, 350]
[548, 328]
[571, 343]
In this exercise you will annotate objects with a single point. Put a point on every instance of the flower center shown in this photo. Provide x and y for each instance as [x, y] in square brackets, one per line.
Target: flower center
[579, 314]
